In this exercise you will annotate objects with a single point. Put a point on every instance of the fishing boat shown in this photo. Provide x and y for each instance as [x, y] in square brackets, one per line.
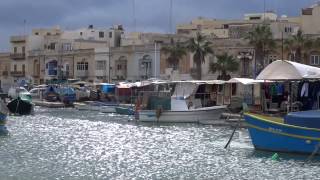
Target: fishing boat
[124, 110]
[22, 105]
[97, 106]
[296, 132]
[3, 119]
[185, 105]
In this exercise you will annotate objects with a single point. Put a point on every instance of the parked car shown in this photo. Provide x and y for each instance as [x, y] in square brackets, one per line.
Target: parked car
[15, 92]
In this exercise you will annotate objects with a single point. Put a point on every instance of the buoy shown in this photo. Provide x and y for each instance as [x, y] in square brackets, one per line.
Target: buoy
[275, 156]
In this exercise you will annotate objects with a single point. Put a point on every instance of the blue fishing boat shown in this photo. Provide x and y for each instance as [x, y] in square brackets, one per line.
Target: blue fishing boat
[3, 121]
[124, 110]
[297, 132]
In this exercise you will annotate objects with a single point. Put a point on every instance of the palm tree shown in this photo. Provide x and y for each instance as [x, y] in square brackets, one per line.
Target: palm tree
[299, 45]
[175, 51]
[261, 38]
[200, 47]
[225, 63]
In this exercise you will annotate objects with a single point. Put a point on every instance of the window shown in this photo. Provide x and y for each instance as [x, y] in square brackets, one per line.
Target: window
[101, 65]
[82, 66]
[15, 49]
[36, 33]
[15, 68]
[288, 29]
[52, 46]
[81, 33]
[23, 68]
[110, 34]
[23, 49]
[101, 34]
[48, 33]
[315, 60]
[66, 47]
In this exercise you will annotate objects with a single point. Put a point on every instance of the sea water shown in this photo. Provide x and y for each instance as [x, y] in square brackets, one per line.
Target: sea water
[71, 144]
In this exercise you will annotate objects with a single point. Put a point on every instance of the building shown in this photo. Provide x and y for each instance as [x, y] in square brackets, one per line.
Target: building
[135, 62]
[309, 19]
[5, 72]
[70, 54]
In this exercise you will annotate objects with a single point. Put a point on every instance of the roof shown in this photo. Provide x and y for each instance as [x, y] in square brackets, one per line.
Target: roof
[288, 70]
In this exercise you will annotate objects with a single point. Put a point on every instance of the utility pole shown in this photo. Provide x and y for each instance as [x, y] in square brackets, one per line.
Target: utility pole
[170, 20]
[134, 15]
[282, 44]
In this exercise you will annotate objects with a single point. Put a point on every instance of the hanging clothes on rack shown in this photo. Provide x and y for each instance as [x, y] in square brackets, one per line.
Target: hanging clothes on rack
[305, 89]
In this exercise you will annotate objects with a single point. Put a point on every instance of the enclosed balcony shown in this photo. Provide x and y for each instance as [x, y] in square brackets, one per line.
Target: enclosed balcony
[18, 73]
[17, 56]
[18, 39]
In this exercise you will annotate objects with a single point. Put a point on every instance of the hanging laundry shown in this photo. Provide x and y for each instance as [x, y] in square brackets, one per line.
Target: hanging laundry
[279, 88]
[305, 90]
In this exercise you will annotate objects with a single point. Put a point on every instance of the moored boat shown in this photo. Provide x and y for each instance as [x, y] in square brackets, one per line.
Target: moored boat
[296, 132]
[3, 119]
[124, 110]
[97, 106]
[275, 134]
[187, 116]
[187, 104]
[22, 105]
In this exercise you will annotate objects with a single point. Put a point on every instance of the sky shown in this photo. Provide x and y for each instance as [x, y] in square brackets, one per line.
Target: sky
[18, 17]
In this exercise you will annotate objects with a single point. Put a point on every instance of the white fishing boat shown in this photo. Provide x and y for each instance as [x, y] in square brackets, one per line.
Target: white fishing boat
[96, 106]
[187, 116]
[185, 105]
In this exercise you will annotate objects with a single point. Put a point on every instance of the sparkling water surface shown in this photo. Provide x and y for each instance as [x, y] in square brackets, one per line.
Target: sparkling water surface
[71, 144]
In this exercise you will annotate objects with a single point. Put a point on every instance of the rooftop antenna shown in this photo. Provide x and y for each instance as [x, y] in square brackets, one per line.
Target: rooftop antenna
[264, 11]
[170, 20]
[134, 15]
[24, 26]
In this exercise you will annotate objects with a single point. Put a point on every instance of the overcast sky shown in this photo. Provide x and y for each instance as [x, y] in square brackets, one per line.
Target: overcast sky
[150, 15]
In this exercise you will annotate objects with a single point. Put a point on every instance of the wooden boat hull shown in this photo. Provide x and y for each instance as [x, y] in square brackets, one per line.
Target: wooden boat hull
[191, 116]
[273, 135]
[21, 107]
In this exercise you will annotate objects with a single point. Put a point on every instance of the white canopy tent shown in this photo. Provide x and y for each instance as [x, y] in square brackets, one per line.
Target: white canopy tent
[288, 70]
[245, 81]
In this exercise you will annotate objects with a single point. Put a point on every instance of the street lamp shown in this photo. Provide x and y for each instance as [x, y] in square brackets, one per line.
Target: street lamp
[155, 57]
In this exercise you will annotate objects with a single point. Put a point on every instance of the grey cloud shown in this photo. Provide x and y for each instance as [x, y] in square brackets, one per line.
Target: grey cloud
[151, 15]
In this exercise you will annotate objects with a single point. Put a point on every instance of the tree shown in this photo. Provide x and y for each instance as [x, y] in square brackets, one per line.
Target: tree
[175, 51]
[200, 47]
[225, 63]
[299, 45]
[261, 38]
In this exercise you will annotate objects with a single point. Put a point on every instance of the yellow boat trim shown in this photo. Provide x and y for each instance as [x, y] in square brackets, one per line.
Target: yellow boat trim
[274, 121]
[284, 134]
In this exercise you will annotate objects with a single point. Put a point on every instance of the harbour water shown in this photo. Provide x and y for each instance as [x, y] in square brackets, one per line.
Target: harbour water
[71, 144]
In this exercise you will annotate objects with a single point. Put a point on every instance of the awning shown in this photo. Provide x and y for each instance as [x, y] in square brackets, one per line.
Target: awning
[245, 81]
[288, 70]
[202, 81]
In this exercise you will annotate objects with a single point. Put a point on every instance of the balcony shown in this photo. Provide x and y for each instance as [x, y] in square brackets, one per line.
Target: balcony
[18, 73]
[5, 73]
[17, 56]
[17, 39]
